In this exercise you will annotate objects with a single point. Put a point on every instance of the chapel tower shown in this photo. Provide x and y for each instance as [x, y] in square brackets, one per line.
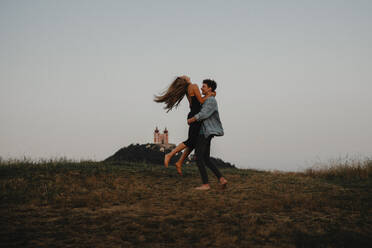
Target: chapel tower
[156, 136]
[161, 138]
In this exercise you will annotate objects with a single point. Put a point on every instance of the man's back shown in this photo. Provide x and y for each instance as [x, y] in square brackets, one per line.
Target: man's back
[209, 115]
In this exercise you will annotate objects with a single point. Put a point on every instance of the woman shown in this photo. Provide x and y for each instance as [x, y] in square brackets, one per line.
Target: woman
[172, 97]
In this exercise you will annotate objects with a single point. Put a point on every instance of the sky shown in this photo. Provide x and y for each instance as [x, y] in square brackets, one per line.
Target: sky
[294, 83]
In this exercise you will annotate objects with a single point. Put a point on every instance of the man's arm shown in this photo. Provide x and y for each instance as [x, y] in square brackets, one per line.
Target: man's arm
[191, 120]
[208, 108]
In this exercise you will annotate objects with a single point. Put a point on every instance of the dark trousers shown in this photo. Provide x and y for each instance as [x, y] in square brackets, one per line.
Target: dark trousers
[202, 152]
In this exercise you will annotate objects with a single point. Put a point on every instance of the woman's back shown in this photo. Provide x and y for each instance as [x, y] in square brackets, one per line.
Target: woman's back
[194, 128]
[195, 105]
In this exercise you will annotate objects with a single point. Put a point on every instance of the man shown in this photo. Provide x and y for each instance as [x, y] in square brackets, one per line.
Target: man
[211, 126]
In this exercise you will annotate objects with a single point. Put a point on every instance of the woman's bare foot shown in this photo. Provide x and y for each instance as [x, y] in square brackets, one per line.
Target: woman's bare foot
[167, 158]
[178, 167]
[203, 187]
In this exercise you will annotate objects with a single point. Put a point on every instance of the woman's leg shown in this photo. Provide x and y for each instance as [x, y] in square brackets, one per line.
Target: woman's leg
[168, 156]
[184, 155]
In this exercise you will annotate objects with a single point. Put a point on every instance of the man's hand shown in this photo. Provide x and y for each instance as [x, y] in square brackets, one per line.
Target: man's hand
[191, 120]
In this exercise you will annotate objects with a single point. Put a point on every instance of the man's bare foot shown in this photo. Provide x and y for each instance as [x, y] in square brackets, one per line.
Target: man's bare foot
[167, 158]
[223, 182]
[178, 167]
[203, 187]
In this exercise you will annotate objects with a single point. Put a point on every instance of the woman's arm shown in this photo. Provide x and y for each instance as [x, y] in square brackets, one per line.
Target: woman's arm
[196, 91]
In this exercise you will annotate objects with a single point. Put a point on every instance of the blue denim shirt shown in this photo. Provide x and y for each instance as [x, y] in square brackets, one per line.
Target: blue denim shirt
[211, 123]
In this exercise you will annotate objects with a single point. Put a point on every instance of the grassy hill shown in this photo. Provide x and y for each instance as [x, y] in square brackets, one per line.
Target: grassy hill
[95, 204]
[153, 154]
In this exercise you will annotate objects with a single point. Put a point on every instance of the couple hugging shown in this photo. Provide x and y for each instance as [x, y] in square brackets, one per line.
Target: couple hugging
[204, 123]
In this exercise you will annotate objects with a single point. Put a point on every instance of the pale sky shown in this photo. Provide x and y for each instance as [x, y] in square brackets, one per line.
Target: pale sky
[77, 78]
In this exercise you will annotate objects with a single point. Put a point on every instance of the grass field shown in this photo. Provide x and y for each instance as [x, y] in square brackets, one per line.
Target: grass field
[91, 204]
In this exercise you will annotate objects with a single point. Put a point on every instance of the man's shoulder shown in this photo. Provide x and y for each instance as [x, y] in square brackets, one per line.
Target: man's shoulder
[211, 99]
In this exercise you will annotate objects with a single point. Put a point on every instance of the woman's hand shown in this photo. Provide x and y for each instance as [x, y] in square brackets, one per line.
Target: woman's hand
[212, 93]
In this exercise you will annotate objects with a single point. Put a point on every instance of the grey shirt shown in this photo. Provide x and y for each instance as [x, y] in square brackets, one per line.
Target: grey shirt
[211, 123]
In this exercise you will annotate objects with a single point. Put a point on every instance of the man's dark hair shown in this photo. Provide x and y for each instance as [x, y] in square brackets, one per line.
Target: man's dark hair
[211, 84]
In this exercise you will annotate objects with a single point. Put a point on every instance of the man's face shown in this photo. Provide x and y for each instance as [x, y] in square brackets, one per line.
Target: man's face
[205, 89]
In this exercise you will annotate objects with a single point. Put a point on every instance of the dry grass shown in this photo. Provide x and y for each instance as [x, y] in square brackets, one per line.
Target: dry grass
[343, 169]
[87, 204]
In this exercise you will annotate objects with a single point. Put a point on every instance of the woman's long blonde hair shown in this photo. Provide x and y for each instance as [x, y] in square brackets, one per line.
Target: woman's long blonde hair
[174, 94]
